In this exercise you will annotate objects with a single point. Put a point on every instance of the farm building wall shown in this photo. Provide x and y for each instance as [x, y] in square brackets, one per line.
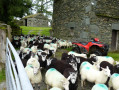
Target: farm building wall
[36, 20]
[76, 20]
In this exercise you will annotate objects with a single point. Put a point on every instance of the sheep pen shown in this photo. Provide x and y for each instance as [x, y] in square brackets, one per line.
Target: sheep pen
[58, 55]
[43, 86]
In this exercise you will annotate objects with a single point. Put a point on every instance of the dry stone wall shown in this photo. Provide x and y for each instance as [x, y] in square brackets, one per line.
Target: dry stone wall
[5, 31]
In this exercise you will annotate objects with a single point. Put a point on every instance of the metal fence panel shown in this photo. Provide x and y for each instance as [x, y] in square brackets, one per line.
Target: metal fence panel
[14, 80]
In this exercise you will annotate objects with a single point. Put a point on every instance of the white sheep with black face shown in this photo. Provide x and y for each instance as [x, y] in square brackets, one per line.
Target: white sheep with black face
[33, 71]
[54, 78]
[99, 87]
[103, 58]
[90, 74]
[114, 81]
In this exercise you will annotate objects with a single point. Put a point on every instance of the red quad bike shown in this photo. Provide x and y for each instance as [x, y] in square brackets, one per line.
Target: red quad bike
[92, 47]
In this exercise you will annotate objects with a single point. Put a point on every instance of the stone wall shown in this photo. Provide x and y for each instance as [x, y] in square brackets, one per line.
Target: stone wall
[76, 20]
[5, 31]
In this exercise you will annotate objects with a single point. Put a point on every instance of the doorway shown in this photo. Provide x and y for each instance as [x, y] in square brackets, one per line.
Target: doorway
[114, 42]
[25, 22]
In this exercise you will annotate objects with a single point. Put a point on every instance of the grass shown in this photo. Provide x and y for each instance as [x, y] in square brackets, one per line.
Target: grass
[36, 30]
[2, 75]
[115, 55]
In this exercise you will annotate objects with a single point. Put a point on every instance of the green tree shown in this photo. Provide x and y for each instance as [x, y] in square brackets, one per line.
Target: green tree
[13, 8]
[42, 6]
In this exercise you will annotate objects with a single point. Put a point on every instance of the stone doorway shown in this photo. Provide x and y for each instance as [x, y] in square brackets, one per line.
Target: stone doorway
[25, 22]
[114, 43]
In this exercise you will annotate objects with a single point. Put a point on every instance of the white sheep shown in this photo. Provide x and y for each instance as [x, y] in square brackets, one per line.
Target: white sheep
[33, 71]
[87, 64]
[47, 46]
[103, 58]
[99, 87]
[34, 49]
[90, 74]
[77, 54]
[55, 88]
[114, 81]
[54, 78]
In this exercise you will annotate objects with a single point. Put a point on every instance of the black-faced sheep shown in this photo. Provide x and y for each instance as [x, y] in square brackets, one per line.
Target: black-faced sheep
[73, 81]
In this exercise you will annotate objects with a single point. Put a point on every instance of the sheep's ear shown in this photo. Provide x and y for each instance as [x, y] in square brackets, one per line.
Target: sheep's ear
[68, 78]
[102, 68]
[31, 57]
[107, 67]
[93, 62]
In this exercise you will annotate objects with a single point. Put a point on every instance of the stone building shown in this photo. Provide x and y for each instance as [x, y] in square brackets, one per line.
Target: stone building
[36, 20]
[81, 20]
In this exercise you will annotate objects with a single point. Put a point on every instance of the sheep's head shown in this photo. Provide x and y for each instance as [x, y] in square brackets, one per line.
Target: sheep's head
[43, 55]
[78, 59]
[35, 70]
[49, 61]
[73, 77]
[106, 71]
[74, 65]
[65, 84]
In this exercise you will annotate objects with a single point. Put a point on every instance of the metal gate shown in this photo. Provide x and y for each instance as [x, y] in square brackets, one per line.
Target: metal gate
[16, 77]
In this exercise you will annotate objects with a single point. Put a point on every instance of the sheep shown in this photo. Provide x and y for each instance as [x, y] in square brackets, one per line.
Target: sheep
[60, 65]
[94, 76]
[103, 58]
[42, 59]
[54, 78]
[47, 46]
[73, 78]
[80, 60]
[114, 81]
[55, 88]
[77, 54]
[99, 87]
[33, 71]
[34, 49]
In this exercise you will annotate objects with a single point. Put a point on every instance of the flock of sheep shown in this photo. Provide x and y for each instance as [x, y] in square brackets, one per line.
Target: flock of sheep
[37, 54]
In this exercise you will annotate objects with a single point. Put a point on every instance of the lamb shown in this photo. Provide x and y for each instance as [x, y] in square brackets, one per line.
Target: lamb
[114, 81]
[99, 87]
[96, 76]
[54, 78]
[103, 58]
[33, 71]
